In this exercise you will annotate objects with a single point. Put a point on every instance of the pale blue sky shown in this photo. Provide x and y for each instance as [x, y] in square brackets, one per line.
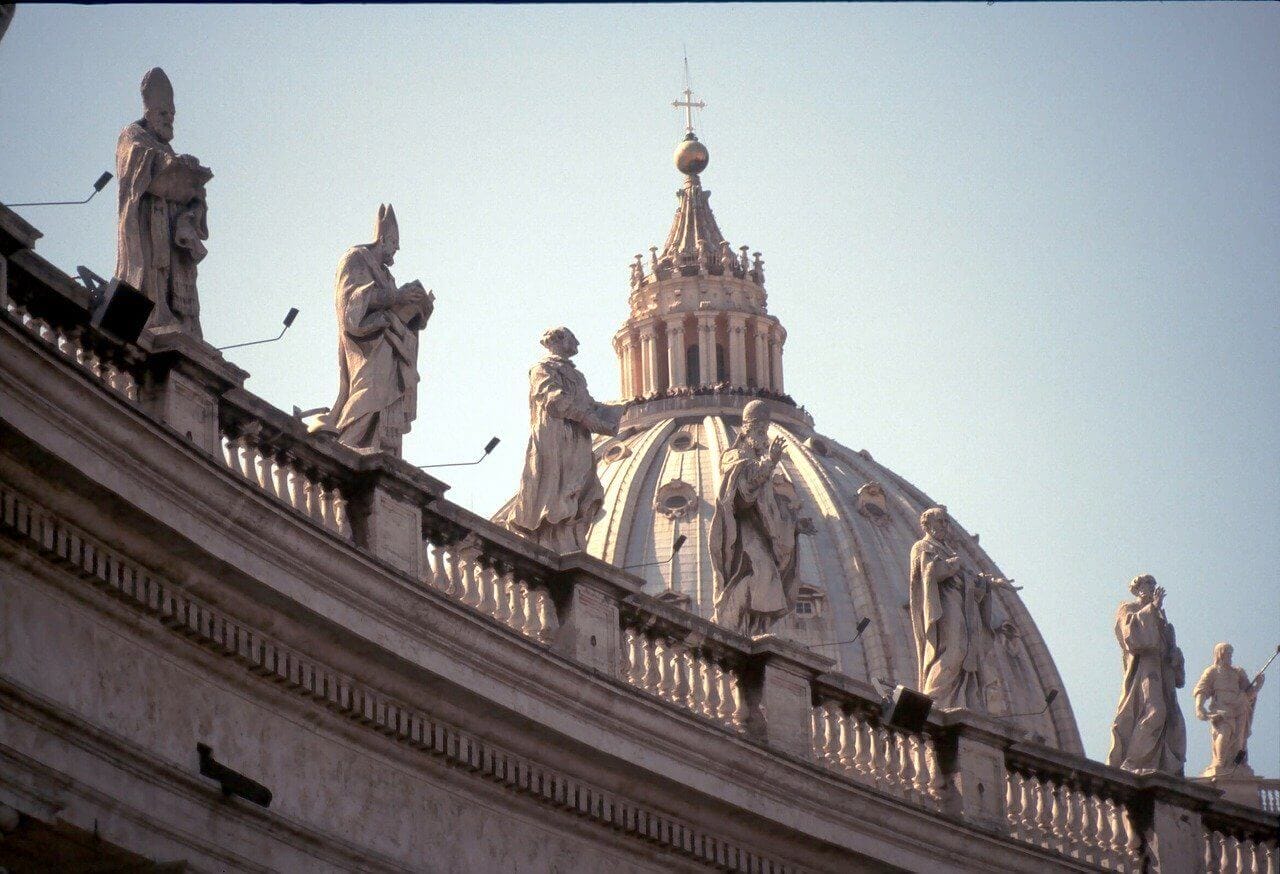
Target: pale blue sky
[1027, 254]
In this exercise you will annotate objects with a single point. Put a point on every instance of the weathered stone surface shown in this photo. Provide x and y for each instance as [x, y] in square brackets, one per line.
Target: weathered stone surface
[1148, 733]
[162, 218]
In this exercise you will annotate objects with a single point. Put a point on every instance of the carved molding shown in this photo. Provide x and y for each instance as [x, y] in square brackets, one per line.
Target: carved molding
[151, 595]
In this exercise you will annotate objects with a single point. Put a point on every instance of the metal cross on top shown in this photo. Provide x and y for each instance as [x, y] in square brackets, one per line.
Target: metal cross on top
[688, 103]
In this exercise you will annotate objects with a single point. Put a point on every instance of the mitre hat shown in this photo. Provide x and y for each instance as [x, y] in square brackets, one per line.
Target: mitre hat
[755, 411]
[157, 90]
[386, 223]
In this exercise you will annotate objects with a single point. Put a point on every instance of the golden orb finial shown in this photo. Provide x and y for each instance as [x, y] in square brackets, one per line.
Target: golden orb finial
[691, 156]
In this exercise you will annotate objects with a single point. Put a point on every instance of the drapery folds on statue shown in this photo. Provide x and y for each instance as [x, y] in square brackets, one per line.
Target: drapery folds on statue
[1148, 733]
[755, 532]
[953, 616]
[162, 218]
[560, 493]
[378, 327]
[1225, 698]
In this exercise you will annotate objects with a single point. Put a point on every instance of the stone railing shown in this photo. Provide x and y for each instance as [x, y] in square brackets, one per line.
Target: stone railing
[684, 660]
[850, 738]
[962, 767]
[1075, 812]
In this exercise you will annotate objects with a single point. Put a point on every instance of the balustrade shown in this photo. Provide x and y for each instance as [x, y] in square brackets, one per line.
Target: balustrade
[1231, 850]
[108, 366]
[462, 573]
[1073, 818]
[848, 740]
[688, 675]
[288, 479]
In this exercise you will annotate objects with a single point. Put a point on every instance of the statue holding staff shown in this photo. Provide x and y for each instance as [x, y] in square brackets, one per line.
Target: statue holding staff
[1225, 698]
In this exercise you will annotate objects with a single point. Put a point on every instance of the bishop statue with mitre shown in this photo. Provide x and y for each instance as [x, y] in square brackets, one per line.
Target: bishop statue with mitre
[161, 211]
[378, 325]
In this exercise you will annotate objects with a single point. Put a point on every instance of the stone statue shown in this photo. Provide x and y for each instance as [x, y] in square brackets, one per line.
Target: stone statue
[560, 493]
[161, 211]
[754, 532]
[955, 618]
[378, 327]
[1148, 733]
[727, 261]
[1225, 697]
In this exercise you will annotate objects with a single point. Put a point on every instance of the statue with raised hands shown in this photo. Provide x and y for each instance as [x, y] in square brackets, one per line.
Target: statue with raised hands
[378, 325]
[560, 493]
[161, 211]
[1225, 698]
[954, 616]
[755, 532]
[1148, 733]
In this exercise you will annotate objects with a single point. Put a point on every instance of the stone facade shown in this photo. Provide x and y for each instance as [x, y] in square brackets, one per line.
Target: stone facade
[472, 703]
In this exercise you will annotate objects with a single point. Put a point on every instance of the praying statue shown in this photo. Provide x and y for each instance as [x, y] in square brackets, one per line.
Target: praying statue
[161, 211]
[955, 618]
[755, 532]
[560, 493]
[1225, 697]
[378, 325]
[1148, 733]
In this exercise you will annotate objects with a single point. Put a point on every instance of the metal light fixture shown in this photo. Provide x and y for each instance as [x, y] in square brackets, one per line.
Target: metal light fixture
[288, 320]
[97, 186]
[488, 447]
[675, 550]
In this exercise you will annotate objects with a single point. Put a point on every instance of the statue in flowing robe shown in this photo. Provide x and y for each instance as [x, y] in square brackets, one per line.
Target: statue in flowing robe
[955, 618]
[560, 493]
[755, 532]
[378, 327]
[1148, 733]
[1225, 698]
[161, 211]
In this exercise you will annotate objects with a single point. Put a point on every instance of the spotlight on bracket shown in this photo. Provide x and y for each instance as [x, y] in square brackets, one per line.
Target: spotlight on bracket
[97, 186]
[288, 320]
[232, 782]
[902, 707]
[675, 550]
[488, 447]
[116, 306]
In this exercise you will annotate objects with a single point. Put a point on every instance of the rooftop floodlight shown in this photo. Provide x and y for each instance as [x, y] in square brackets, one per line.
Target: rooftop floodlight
[232, 782]
[862, 626]
[488, 447]
[1048, 699]
[97, 186]
[288, 320]
[116, 306]
[675, 549]
[902, 707]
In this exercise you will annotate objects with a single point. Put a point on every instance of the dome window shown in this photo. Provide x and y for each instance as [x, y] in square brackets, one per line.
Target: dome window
[682, 442]
[811, 603]
[871, 502]
[675, 499]
[616, 452]
[817, 445]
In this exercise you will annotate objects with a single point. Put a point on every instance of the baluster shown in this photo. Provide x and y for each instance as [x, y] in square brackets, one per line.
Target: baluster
[1133, 840]
[652, 671]
[504, 584]
[1013, 803]
[279, 486]
[1105, 836]
[247, 467]
[714, 701]
[539, 628]
[1229, 849]
[314, 509]
[520, 606]
[628, 654]
[1064, 819]
[684, 677]
[263, 470]
[822, 731]
[837, 749]
[341, 518]
[485, 602]
[920, 759]
[469, 593]
[229, 452]
[697, 686]
[662, 661]
[1212, 851]
[547, 620]
[738, 719]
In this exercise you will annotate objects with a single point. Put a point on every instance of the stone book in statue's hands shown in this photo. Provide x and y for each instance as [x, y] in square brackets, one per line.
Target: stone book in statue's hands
[416, 305]
[180, 180]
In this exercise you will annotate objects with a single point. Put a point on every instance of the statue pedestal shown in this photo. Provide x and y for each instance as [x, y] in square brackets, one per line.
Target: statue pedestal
[1242, 786]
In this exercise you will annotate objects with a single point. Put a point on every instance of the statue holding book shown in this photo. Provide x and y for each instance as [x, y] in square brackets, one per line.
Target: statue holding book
[161, 211]
[378, 325]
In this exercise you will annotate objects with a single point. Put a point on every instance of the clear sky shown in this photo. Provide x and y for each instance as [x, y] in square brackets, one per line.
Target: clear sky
[1027, 255]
